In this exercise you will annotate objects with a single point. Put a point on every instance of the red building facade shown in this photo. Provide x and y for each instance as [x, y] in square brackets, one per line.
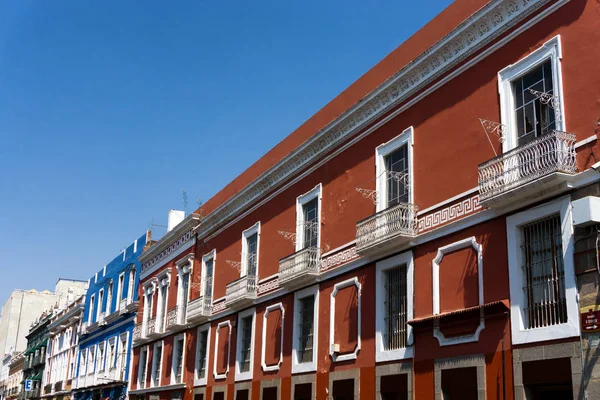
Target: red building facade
[421, 236]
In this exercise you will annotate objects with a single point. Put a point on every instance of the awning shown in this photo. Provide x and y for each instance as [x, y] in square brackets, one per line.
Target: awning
[495, 307]
[37, 377]
[30, 350]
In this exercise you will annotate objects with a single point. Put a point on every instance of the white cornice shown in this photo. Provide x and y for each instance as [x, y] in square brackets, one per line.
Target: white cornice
[471, 35]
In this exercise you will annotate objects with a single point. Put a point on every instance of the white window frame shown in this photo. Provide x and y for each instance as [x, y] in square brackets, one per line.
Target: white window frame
[145, 367]
[517, 297]
[239, 375]
[212, 255]
[551, 50]
[184, 266]
[91, 359]
[254, 229]
[381, 267]
[174, 354]
[149, 289]
[91, 311]
[120, 285]
[131, 288]
[100, 301]
[298, 367]
[122, 364]
[335, 357]
[197, 380]
[162, 361]
[265, 367]
[219, 326]
[470, 242]
[112, 358]
[164, 281]
[316, 192]
[381, 152]
[101, 356]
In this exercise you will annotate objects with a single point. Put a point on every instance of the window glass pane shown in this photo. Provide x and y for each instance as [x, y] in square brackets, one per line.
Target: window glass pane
[396, 166]
[246, 331]
[311, 221]
[306, 326]
[544, 273]
[251, 254]
[208, 281]
[395, 306]
[203, 341]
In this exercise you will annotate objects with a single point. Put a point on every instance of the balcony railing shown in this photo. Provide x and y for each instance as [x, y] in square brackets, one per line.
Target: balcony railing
[550, 153]
[58, 386]
[48, 388]
[151, 328]
[199, 309]
[137, 332]
[123, 306]
[300, 267]
[176, 316]
[388, 228]
[241, 292]
[101, 318]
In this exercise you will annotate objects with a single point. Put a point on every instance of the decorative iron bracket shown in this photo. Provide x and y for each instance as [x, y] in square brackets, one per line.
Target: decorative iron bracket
[291, 236]
[235, 264]
[368, 194]
[495, 128]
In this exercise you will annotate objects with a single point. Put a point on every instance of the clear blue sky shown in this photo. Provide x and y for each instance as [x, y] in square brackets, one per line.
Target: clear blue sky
[108, 109]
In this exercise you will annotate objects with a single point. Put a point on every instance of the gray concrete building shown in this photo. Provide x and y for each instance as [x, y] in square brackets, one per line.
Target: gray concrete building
[23, 307]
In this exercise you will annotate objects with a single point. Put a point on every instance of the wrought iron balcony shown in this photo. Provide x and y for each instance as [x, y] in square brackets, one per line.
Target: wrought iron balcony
[58, 386]
[199, 309]
[534, 169]
[387, 229]
[137, 333]
[123, 306]
[176, 317]
[241, 292]
[151, 328]
[300, 268]
[48, 388]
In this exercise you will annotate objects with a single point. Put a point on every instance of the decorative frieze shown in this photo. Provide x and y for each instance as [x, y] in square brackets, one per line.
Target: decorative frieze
[447, 214]
[182, 242]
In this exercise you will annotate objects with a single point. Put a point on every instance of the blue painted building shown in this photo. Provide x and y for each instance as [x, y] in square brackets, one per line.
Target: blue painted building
[106, 334]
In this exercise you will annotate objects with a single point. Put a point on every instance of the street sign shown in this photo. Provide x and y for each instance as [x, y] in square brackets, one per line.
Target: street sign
[590, 319]
[28, 385]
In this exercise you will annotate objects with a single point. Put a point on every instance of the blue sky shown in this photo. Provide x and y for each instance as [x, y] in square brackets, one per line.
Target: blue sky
[109, 109]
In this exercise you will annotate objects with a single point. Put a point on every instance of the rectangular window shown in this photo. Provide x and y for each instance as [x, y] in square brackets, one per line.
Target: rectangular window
[343, 389]
[305, 338]
[120, 288]
[100, 301]
[142, 367]
[160, 318]
[92, 309]
[202, 354]
[91, 359]
[185, 284]
[460, 383]
[208, 278]
[112, 343]
[178, 348]
[544, 273]
[269, 393]
[251, 254]
[156, 364]
[109, 297]
[587, 246]
[533, 118]
[395, 303]
[246, 332]
[101, 357]
[396, 169]
[303, 391]
[310, 211]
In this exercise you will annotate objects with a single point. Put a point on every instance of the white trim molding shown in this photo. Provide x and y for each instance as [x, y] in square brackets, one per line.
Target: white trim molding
[551, 50]
[380, 353]
[381, 152]
[239, 375]
[265, 367]
[316, 192]
[518, 301]
[298, 367]
[219, 326]
[197, 380]
[335, 356]
[162, 361]
[461, 244]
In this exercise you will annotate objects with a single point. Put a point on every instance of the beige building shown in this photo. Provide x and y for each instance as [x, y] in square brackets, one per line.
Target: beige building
[23, 307]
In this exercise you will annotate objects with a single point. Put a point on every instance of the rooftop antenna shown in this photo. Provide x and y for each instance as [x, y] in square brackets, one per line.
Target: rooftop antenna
[152, 224]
